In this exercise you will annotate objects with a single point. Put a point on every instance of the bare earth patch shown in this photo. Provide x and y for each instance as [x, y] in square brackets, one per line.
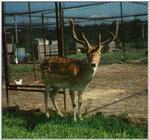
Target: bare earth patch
[116, 88]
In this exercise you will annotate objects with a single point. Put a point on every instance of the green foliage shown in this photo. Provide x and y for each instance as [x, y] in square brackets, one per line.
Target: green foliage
[23, 124]
[79, 56]
[133, 54]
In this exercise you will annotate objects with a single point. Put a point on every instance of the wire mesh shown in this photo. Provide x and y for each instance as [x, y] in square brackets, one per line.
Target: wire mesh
[125, 62]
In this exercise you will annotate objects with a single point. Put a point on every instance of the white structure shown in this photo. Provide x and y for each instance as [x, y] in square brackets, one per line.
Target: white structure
[10, 51]
[39, 48]
[111, 46]
[10, 48]
[54, 47]
[78, 46]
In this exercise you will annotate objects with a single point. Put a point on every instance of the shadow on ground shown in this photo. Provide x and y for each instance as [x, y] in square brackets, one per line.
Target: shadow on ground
[34, 124]
[34, 117]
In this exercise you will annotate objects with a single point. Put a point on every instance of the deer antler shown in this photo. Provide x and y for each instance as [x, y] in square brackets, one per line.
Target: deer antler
[74, 35]
[99, 46]
[114, 36]
[84, 42]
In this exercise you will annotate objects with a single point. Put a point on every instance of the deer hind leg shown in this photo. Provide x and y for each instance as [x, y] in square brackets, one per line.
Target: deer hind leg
[53, 98]
[80, 104]
[47, 89]
[72, 96]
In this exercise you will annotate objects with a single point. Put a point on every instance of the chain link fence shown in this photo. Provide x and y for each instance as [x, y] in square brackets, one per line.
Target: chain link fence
[29, 36]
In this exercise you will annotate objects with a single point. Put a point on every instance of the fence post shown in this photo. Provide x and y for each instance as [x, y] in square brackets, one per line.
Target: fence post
[60, 38]
[123, 40]
[16, 29]
[32, 45]
[5, 55]
[57, 26]
[136, 35]
[61, 30]
[62, 46]
[74, 42]
[43, 34]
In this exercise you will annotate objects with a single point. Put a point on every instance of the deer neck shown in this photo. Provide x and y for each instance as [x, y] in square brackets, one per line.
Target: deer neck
[93, 63]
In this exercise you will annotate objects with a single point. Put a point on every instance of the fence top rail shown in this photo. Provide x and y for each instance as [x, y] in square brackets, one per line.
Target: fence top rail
[46, 11]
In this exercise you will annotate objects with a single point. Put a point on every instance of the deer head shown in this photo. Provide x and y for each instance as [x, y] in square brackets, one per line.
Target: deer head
[93, 51]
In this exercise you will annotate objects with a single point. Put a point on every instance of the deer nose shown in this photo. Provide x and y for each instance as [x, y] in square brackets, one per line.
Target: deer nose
[93, 65]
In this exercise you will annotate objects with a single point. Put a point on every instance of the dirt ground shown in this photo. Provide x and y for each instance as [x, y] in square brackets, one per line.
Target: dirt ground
[116, 88]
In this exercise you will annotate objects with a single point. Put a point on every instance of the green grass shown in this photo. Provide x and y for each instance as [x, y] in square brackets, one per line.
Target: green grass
[140, 45]
[79, 56]
[23, 124]
[20, 70]
[129, 55]
[115, 56]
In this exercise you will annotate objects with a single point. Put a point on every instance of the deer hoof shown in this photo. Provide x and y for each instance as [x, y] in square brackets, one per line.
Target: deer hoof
[47, 115]
[80, 118]
[75, 120]
[60, 114]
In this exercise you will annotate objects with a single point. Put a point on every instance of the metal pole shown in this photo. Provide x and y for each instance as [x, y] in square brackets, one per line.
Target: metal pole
[143, 31]
[61, 30]
[15, 41]
[31, 32]
[43, 35]
[57, 28]
[60, 39]
[143, 34]
[136, 34]
[12, 40]
[123, 43]
[74, 42]
[62, 47]
[16, 29]
[5, 55]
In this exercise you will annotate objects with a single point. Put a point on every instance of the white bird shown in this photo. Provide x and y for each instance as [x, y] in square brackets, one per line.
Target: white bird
[16, 60]
[18, 82]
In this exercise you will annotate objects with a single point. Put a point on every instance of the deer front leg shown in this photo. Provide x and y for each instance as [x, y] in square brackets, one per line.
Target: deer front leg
[72, 96]
[80, 104]
[53, 96]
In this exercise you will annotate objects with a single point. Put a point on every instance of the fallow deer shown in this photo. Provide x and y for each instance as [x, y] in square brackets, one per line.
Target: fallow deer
[60, 72]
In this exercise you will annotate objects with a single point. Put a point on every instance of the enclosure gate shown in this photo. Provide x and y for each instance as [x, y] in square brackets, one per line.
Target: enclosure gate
[33, 88]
